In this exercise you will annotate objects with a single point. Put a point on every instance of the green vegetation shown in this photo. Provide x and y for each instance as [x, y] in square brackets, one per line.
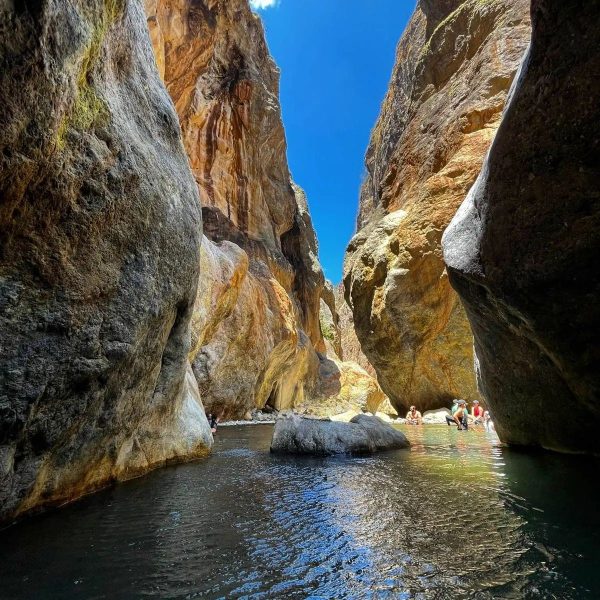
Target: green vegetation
[328, 331]
[89, 108]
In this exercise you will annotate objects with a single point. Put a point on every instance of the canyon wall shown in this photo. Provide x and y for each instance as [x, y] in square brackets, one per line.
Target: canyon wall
[454, 66]
[257, 337]
[99, 256]
[256, 321]
[523, 250]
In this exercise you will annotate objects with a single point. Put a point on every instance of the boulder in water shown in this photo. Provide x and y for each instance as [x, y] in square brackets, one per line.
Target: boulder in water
[436, 417]
[362, 435]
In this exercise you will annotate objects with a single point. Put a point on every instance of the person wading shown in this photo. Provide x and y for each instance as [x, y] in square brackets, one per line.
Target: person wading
[461, 416]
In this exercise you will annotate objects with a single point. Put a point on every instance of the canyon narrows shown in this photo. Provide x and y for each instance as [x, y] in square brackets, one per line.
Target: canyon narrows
[157, 260]
[454, 66]
[120, 317]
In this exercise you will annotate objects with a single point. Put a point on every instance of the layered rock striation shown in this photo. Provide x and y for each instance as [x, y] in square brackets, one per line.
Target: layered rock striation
[100, 232]
[522, 251]
[454, 65]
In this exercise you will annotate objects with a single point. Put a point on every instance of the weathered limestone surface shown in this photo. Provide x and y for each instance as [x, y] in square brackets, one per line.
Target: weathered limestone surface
[99, 256]
[256, 323]
[362, 435]
[455, 63]
[523, 250]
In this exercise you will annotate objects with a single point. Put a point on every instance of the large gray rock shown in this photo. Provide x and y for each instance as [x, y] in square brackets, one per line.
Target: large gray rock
[362, 435]
[99, 256]
[523, 250]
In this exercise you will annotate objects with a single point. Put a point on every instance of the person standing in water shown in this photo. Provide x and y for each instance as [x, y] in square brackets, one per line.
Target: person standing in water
[414, 417]
[450, 418]
[461, 416]
[477, 413]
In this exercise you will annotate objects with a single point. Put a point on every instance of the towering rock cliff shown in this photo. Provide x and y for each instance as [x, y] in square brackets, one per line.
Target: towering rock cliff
[455, 63]
[256, 322]
[99, 254]
[523, 249]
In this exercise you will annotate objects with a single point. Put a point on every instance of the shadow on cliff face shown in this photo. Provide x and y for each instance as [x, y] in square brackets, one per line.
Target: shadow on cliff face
[99, 251]
[329, 377]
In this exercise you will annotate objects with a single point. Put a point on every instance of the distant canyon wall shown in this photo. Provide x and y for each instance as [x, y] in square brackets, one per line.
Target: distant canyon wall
[100, 232]
[257, 337]
[523, 250]
[454, 66]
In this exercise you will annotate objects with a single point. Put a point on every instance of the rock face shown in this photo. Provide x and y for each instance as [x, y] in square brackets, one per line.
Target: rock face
[522, 251]
[256, 323]
[352, 350]
[362, 435]
[99, 256]
[455, 63]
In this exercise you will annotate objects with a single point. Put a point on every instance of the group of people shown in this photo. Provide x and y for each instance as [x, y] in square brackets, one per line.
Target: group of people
[459, 415]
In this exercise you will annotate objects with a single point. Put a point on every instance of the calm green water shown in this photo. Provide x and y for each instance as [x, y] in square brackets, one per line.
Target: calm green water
[457, 516]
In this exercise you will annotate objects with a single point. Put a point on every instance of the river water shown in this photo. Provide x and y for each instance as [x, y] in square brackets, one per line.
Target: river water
[457, 516]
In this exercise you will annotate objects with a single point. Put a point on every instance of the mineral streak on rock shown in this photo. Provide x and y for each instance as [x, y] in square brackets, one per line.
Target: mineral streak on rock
[455, 63]
[100, 232]
[523, 249]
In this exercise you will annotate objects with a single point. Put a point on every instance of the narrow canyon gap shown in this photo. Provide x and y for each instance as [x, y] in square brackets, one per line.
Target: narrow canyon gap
[455, 63]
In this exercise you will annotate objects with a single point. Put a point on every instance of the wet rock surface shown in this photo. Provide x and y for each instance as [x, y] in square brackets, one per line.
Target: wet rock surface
[362, 435]
[99, 256]
[522, 251]
[455, 63]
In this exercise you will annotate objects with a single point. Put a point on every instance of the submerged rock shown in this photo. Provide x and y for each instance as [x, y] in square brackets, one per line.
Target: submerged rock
[523, 250]
[362, 435]
[100, 231]
[455, 63]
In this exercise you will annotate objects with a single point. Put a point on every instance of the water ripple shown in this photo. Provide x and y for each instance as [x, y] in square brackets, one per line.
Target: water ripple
[457, 516]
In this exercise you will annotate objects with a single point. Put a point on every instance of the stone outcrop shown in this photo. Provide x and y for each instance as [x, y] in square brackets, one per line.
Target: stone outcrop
[256, 323]
[454, 66]
[522, 251]
[362, 435]
[341, 384]
[99, 256]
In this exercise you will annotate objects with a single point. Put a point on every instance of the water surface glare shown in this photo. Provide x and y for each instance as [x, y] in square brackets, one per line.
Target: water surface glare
[457, 516]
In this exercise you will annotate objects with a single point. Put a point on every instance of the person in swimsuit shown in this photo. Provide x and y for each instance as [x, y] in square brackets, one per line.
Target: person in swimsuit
[413, 416]
[477, 413]
[450, 418]
[461, 416]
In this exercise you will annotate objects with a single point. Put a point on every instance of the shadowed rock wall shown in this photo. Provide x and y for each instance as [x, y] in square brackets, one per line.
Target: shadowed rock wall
[454, 65]
[99, 256]
[523, 250]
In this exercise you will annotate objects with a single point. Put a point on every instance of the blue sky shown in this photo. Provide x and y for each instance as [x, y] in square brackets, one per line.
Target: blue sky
[336, 58]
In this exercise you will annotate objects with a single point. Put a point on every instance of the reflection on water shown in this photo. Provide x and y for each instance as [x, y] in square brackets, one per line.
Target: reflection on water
[457, 516]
